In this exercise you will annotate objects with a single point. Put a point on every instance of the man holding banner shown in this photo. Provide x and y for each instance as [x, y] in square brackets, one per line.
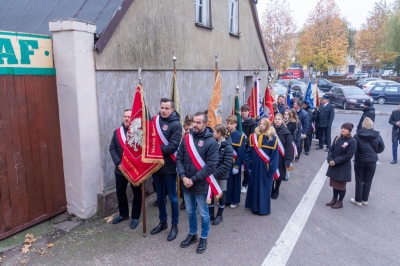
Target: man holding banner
[169, 133]
[196, 161]
[116, 151]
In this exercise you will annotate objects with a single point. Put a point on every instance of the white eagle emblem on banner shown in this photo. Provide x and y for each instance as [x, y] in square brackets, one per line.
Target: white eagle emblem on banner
[135, 134]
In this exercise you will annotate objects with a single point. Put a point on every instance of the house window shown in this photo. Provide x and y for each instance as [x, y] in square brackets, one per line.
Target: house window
[203, 12]
[234, 17]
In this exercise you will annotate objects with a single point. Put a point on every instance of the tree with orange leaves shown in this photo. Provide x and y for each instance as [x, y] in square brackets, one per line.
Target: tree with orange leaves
[323, 39]
[279, 33]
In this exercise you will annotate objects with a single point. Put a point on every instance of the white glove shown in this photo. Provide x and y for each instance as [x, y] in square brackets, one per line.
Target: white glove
[235, 171]
[303, 136]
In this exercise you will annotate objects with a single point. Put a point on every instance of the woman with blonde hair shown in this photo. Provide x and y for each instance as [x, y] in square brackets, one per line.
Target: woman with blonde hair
[262, 163]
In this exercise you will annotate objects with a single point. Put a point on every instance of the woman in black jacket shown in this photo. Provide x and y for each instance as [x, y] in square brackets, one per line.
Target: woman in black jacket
[369, 144]
[221, 173]
[285, 154]
[339, 158]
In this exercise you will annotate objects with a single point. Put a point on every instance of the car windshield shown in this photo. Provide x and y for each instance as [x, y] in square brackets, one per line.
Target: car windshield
[353, 91]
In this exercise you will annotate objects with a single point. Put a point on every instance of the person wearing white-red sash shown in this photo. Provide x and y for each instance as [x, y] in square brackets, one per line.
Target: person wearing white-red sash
[234, 185]
[285, 153]
[262, 163]
[169, 133]
[197, 148]
[116, 151]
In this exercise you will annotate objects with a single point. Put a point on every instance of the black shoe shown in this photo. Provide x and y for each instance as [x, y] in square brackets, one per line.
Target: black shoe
[155, 204]
[275, 194]
[134, 223]
[174, 232]
[202, 245]
[190, 239]
[296, 159]
[160, 227]
[183, 206]
[119, 219]
[319, 148]
[307, 152]
[393, 162]
[217, 220]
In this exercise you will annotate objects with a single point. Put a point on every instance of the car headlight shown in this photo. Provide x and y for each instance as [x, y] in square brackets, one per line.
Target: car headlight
[352, 100]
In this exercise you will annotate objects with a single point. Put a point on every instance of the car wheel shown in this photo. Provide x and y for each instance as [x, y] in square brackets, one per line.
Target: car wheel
[381, 100]
[344, 106]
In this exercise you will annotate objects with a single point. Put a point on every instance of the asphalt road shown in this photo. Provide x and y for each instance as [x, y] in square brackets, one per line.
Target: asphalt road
[382, 108]
[368, 235]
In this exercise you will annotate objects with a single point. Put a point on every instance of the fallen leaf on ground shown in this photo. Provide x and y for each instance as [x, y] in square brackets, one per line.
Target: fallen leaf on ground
[109, 219]
[25, 248]
[22, 261]
[29, 236]
[50, 245]
[4, 256]
[30, 240]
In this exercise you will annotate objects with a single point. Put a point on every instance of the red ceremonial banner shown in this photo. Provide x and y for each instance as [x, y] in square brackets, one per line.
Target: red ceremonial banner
[142, 153]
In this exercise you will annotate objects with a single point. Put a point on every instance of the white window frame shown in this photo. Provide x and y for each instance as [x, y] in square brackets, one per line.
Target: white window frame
[203, 13]
[233, 17]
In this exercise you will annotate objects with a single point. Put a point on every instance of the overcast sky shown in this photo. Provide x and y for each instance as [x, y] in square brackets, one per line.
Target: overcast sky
[354, 10]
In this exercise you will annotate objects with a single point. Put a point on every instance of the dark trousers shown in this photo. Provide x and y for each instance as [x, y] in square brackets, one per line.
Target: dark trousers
[163, 185]
[299, 147]
[324, 136]
[120, 185]
[245, 181]
[394, 150]
[307, 142]
[364, 174]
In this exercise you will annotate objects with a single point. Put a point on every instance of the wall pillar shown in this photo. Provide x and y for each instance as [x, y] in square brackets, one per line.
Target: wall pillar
[73, 44]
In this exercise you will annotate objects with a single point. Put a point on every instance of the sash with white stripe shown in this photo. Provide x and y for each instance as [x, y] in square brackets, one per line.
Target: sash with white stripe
[121, 136]
[294, 149]
[161, 136]
[213, 188]
[263, 155]
[281, 149]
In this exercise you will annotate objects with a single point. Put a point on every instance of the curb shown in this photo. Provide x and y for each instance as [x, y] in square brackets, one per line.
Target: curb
[360, 112]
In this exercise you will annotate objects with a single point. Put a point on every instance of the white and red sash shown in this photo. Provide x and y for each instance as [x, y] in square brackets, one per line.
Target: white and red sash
[161, 137]
[281, 149]
[234, 154]
[213, 188]
[121, 136]
[263, 155]
[294, 149]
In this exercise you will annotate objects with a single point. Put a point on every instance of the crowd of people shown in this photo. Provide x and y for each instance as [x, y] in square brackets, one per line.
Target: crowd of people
[253, 162]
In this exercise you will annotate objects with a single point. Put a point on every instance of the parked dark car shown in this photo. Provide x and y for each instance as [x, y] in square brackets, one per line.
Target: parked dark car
[348, 97]
[385, 93]
[323, 84]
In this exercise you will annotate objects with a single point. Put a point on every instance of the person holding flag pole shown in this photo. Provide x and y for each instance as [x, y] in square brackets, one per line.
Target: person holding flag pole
[137, 156]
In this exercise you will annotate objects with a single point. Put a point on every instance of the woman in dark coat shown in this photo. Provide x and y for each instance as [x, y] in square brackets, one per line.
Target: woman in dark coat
[339, 158]
[369, 144]
[285, 153]
[221, 173]
[261, 169]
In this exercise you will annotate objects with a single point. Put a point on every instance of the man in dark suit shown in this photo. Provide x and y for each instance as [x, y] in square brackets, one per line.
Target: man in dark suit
[394, 120]
[326, 114]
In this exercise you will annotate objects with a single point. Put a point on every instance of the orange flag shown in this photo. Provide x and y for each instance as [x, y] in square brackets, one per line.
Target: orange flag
[142, 153]
[214, 109]
[268, 100]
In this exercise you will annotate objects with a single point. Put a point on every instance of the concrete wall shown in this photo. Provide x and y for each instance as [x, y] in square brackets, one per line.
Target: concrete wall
[115, 91]
[151, 31]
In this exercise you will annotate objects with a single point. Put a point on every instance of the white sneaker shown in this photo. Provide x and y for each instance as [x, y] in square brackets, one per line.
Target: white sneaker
[365, 203]
[359, 204]
[243, 190]
[233, 206]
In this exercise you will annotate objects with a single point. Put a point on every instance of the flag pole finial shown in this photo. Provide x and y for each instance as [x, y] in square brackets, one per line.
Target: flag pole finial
[237, 88]
[174, 58]
[139, 75]
[216, 60]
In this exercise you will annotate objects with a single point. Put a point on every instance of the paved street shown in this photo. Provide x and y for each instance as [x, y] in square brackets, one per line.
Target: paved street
[367, 235]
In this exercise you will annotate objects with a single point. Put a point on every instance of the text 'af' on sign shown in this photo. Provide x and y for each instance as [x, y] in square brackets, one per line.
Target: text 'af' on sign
[25, 54]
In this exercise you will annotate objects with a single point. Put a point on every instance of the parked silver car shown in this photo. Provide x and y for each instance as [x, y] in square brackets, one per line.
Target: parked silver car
[369, 85]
